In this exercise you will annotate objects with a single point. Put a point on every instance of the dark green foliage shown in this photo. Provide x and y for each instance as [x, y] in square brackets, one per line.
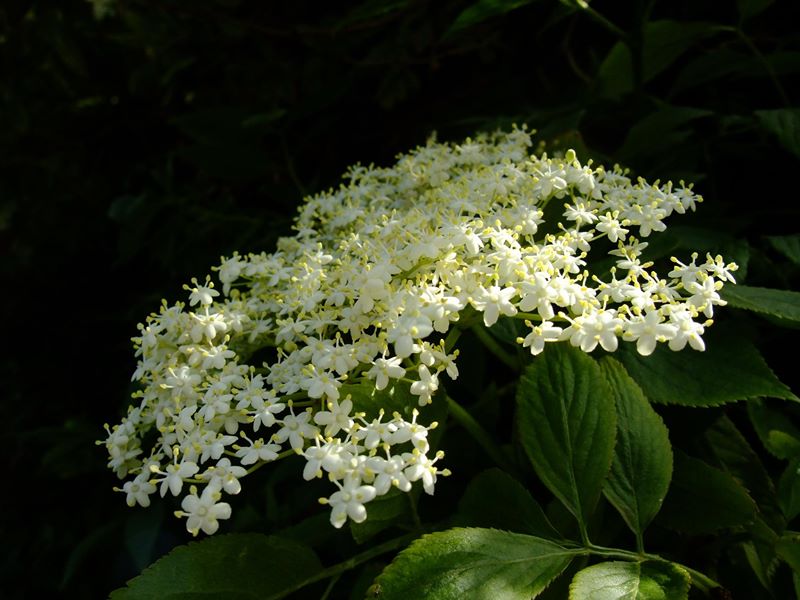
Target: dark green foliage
[138, 149]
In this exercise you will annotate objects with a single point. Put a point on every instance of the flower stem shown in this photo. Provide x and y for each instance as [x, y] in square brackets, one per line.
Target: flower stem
[491, 344]
[702, 582]
[346, 565]
[468, 422]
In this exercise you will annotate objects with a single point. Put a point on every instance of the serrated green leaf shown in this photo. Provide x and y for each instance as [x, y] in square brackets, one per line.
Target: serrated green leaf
[788, 245]
[760, 552]
[779, 435]
[482, 10]
[788, 548]
[779, 303]
[642, 466]
[658, 131]
[520, 512]
[729, 370]
[663, 42]
[751, 8]
[704, 499]
[740, 460]
[783, 123]
[480, 564]
[649, 580]
[567, 424]
[241, 566]
[789, 490]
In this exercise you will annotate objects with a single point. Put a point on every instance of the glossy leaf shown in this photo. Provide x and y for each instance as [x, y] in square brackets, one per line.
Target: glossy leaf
[704, 499]
[482, 10]
[751, 8]
[783, 123]
[237, 566]
[789, 490]
[642, 465]
[739, 459]
[729, 370]
[788, 245]
[779, 303]
[520, 512]
[473, 563]
[776, 431]
[664, 42]
[567, 424]
[649, 580]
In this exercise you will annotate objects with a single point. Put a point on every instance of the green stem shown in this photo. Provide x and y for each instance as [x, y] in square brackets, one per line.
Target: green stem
[767, 67]
[346, 565]
[452, 338]
[596, 16]
[468, 422]
[491, 344]
[702, 582]
[415, 513]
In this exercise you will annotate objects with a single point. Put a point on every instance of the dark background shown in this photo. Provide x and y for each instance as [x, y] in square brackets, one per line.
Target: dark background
[137, 149]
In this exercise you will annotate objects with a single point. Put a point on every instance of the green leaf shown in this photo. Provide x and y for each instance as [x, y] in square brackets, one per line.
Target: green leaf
[482, 10]
[663, 43]
[778, 434]
[520, 512]
[704, 499]
[567, 425]
[740, 460]
[473, 563]
[659, 131]
[751, 8]
[788, 548]
[760, 552]
[789, 490]
[729, 370]
[784, 123]
[240, 566]
[788, 245]
[648, 580]
[779, 303]
[642, 465]
[397, 398]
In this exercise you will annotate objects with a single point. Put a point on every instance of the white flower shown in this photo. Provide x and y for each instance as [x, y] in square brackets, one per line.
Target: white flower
[421, 467]
[296, 429]
[202, 294]
[204, 512]
[705, 295]
[337, 416]
[257, 451]
[426, 386]
[539, 335]
[225, 476]
[388, 472]
[349, 502]
[175, 474]
[138, 491]
[375, 267]
[494, 301]
[648, 330]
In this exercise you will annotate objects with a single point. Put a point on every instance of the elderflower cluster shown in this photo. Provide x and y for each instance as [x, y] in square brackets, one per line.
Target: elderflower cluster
[362, 307]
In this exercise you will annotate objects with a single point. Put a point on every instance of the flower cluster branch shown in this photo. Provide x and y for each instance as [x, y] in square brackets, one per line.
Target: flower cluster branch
[378, 272]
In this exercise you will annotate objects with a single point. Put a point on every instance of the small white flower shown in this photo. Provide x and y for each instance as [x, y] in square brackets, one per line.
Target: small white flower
[539, 335]
[138, 491]
[349, 502]
[426, 386]
[296, 429]
[204, 512]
